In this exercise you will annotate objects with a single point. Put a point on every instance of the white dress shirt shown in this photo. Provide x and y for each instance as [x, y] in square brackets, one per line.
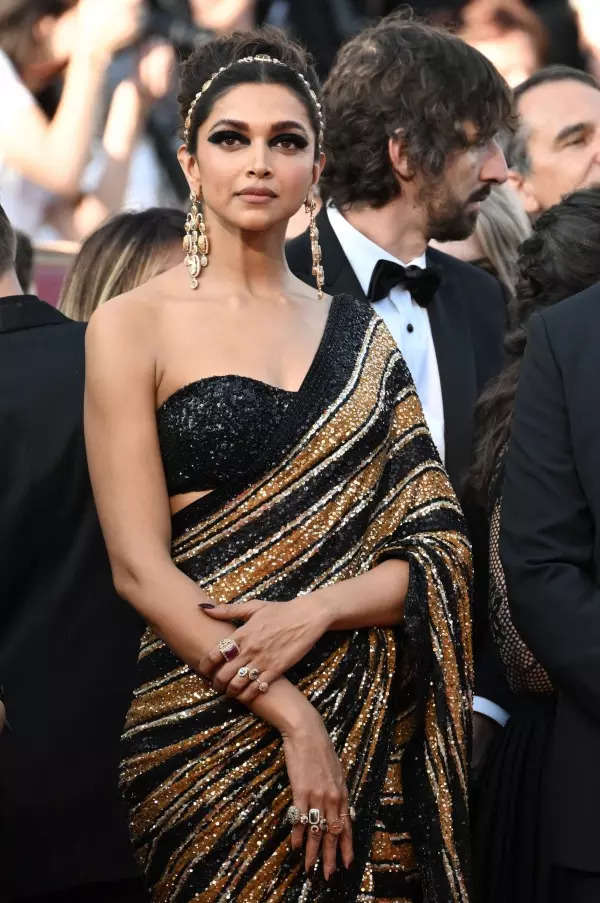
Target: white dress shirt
[407, 321]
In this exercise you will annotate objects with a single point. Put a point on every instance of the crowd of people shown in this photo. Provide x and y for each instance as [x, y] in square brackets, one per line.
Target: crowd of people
[298, 524]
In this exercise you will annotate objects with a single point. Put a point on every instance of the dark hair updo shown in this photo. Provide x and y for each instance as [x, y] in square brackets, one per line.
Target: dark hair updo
[202, 64]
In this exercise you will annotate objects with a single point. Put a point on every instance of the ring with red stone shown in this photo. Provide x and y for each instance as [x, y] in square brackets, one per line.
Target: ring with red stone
[228, 648]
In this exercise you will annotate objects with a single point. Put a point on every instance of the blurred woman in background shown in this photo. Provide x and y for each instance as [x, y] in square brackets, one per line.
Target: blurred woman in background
[125, 252]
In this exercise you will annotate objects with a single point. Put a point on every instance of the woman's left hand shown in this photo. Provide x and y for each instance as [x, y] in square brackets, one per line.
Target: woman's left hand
[273, 638]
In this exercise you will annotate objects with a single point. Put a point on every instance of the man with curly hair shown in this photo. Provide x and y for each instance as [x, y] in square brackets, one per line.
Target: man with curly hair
[412, 116]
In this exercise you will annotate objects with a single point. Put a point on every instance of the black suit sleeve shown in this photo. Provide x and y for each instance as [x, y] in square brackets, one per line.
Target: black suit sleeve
[547, 537]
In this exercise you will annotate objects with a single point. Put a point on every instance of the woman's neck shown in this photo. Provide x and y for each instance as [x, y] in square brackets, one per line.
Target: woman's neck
[250, 263]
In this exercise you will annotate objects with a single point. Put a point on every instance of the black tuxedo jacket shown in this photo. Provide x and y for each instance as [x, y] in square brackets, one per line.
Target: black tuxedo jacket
[467, 317]
[67, 643]
[550, 547]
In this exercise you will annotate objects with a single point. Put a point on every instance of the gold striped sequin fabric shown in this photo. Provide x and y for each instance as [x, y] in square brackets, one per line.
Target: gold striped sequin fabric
[357, 480]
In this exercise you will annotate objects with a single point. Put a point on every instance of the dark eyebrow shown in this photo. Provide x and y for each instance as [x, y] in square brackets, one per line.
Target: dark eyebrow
[570, 130]
[276, 127]
[232, 124]
[287, 124]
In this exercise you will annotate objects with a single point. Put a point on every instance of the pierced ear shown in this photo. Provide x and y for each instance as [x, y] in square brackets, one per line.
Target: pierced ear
[318, 167]
[524, 189]
[399, 158]
[189, 166]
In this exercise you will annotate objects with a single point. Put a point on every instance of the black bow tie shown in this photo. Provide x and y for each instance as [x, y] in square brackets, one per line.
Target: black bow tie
[422, 284]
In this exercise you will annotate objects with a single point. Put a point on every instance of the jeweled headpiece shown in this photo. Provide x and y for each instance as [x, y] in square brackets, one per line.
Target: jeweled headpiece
[259, 58]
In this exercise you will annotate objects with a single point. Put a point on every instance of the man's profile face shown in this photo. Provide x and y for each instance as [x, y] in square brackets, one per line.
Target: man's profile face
[562, 130]
[454, 200]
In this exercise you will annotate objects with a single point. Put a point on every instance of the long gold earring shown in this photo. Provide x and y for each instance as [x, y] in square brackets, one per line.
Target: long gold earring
[310, 205]
[195, 242]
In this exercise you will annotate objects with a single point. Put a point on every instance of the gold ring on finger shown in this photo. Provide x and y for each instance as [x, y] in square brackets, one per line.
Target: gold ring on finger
[316, 829]
[243, 672]
[254, 674]
[314, 817]
[323, 825]
[336, 826]
[304, 819]
[262, 685]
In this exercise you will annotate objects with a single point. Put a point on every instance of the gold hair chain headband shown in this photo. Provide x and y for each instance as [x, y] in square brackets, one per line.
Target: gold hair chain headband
[259, 58]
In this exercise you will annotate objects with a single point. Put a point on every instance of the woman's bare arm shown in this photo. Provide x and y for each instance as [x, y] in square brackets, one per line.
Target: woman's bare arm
[130, 104]
[132, 501]
[54, 153]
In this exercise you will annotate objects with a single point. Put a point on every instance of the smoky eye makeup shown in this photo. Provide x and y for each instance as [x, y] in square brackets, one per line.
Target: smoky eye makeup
[288, 140]
[227, 135]
[298, 141]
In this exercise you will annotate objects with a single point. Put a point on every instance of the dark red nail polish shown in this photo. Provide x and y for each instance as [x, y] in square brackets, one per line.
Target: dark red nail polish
[206, 605]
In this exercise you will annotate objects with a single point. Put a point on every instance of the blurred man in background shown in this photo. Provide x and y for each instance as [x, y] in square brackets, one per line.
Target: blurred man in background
[63, 832]
[556, 148]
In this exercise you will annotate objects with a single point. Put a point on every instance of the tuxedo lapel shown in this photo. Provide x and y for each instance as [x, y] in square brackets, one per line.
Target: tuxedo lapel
[340, 278]
[453, 344]
[25, 312]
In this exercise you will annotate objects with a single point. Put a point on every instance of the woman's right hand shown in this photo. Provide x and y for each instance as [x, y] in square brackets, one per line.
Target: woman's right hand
[318, 782]
[109, 26]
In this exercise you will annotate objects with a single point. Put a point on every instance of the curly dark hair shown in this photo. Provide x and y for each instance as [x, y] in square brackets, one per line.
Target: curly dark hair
[404, 77]
[222, 51]
[560, 259]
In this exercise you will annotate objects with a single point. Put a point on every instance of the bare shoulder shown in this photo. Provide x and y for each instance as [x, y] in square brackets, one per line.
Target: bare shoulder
[130, 323]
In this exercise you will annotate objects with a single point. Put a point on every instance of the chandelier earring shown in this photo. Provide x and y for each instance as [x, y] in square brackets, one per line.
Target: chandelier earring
[310, 206]
[195, 242]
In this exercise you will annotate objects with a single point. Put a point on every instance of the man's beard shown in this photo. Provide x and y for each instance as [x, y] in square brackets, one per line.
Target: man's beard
[449, 219]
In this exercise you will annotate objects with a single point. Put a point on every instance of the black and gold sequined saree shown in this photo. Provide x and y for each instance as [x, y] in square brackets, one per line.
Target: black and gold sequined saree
[357, 480]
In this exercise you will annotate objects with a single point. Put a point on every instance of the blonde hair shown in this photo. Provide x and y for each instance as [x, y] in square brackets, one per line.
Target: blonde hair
[502, 225]
[125, 252]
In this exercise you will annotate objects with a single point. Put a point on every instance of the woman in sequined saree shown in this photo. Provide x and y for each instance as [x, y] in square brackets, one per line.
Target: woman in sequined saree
[300, 514]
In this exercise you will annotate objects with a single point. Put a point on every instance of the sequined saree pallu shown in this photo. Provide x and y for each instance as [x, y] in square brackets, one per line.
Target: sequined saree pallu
[357, 481]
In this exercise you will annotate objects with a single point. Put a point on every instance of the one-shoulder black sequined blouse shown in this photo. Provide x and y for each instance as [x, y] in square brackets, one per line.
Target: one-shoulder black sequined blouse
[214, 430]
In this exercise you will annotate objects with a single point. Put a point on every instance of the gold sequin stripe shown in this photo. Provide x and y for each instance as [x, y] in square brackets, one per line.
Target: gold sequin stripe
[294, 545]
[319, 528]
